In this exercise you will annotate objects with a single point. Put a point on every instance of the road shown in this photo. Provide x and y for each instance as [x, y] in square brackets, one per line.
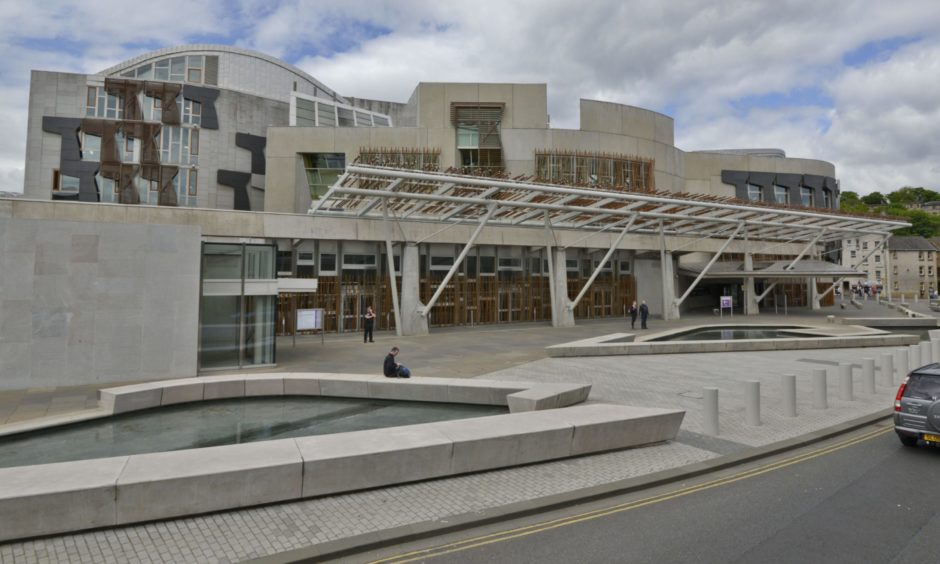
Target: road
[859, 498]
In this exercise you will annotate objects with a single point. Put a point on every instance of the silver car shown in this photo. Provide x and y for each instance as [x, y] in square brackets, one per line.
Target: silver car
[917, 407]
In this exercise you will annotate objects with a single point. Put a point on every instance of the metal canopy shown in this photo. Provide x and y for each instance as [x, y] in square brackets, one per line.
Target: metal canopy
[775, 269]
[452, 198]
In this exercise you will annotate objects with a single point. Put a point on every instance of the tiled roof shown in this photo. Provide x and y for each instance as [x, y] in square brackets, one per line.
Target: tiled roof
[910, 244]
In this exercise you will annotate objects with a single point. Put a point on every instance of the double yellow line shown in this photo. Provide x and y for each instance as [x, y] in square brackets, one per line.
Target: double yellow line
[597, 513]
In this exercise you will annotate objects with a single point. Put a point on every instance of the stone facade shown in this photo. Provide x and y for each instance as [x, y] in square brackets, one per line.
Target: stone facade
[84, 302]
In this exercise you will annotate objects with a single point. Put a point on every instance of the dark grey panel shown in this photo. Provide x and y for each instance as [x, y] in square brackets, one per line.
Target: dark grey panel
[255, 144]
[206, 97]
[238, 181]
[70, 156]
[212, 69]
[738, 179]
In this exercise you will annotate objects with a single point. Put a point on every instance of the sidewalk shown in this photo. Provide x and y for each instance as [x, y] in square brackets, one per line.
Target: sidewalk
[507, 353]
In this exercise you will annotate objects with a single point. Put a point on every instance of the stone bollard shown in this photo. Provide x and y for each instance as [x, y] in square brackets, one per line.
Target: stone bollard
[845, 382]
[819, 389]
[752, 402]
[788, 383]
[925, 353]
[935, 350]
[868, 375]
[903, 367]
[887, 369]
[913, 353]
[710, 396]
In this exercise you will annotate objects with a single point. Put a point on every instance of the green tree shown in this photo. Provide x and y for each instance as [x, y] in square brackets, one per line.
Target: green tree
[874, 199]
[909, 195]
[851, 203]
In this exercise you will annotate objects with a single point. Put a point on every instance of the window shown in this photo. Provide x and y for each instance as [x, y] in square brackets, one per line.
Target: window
[487, 265]
[177, 69]
[327, 262]
[852, 253]
[781, 194]
[356, 260]
[877, 258]
[753, 192]
[864, 245]
[510, 263]
[345, 117]
[806, 197]
[192, 112]
[478, 136]
[827, 198]
[920, 271]
[326, 114]
[177, 145]
[323, 169]
[920, 255]
[305, 256]
[571, 264]
[64, 183]
[441, 263]
[624, 267]
[99, 103]
[878, 275]
[91, 147]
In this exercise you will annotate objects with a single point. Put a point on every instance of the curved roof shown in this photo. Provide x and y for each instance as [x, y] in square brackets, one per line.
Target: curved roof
[202, 48]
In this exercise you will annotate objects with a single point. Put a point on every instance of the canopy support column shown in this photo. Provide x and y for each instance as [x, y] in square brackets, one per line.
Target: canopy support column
[412, 319]
[391, 267]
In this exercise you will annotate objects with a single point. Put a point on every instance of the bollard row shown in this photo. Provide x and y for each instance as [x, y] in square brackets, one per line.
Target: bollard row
[891, 364]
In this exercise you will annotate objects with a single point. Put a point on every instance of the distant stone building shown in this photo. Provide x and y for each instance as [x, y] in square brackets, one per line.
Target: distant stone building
[913, 266]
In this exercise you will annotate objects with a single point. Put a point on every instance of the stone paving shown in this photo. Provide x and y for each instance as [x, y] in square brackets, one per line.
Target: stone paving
[653, 380]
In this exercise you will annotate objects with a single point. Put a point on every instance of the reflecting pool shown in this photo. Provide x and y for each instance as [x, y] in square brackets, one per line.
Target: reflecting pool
[223, 422]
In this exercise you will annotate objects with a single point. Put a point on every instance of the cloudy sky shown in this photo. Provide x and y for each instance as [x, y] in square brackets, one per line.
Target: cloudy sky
[854, 82]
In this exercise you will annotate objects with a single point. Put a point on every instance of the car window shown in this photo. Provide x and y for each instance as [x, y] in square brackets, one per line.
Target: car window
[922, 386]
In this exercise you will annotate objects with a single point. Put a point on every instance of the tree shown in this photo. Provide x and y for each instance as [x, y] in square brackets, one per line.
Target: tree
[908, 195]
[850, 202]
[875, 199]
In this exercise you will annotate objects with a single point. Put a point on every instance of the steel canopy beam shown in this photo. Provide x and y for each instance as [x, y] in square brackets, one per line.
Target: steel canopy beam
[678, 302]
[600, 266]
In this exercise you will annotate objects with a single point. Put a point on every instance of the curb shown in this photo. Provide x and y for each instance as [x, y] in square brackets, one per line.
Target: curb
[424, 529]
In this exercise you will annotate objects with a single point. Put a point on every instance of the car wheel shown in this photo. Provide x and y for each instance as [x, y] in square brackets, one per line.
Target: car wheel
[908, 441]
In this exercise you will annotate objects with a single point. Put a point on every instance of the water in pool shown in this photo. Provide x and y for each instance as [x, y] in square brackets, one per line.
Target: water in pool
[732, 333]
[223, 422]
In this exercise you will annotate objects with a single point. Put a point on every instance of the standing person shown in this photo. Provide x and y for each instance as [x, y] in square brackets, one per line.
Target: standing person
[370, 325]
[393, 369]
[644, 314]
[633, 313]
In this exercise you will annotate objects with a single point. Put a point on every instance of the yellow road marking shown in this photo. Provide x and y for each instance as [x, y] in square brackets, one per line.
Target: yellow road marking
[603, 512]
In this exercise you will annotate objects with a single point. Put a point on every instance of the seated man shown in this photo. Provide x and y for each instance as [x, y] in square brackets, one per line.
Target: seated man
[392, 369]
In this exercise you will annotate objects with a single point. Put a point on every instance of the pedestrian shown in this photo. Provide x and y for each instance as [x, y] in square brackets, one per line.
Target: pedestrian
[393, 369]
[369, 325]
[633, 313]
[644, 314]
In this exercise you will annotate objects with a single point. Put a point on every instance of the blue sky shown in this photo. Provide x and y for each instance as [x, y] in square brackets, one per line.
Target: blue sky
[851, 82]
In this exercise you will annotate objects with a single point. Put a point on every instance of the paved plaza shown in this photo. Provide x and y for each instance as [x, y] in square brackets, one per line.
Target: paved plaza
[513, 352]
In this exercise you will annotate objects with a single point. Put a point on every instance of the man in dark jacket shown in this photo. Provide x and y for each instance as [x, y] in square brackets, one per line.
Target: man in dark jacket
[393, 369]
[644, 314]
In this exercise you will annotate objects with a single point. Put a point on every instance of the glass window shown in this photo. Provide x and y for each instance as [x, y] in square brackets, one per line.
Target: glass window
[358, 260]
[193, 141]
[345, 117]
[487, 265]
[510, 263]
[327, 262]
[468, 137]
[161, 70]
[852, 253]
[807, 197]
[326, 115]
[827, 198]
[380, 120]
[68, 183]
[442, 261]
[363, 119]
[194, 75]
[222, 262]
[877, 258]
[90, 103]
[91, 147]
[259, 262]
[781, 194]
[145, 71]
[323, 169]
[753, 192]
[177, 68]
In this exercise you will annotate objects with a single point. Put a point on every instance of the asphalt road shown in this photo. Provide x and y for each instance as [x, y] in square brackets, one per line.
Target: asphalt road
[859, 498]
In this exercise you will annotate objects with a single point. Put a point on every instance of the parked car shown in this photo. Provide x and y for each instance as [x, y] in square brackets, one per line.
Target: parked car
[917, 407]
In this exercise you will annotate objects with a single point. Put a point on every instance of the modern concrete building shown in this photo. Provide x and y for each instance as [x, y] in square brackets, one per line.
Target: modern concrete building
[483, 212]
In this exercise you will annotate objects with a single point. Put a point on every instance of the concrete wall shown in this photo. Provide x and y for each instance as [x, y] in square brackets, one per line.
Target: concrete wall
[649, 284]
[702, 171]
[86, 301]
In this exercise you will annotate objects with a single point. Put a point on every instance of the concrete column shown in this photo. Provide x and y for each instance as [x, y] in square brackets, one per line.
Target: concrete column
[710, 405]
[820, 389]
[668, 268]
[901, 361]
[926, 353]
[868, 375]
[813, 294]
[750, 295]
[935, 350]
[412, 322]
[913, 353]
[788, 383]
[562, 316]
[887, 369]
[845, 382]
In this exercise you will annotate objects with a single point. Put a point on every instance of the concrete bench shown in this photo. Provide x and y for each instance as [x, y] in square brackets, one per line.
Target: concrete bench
[62, 497]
